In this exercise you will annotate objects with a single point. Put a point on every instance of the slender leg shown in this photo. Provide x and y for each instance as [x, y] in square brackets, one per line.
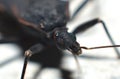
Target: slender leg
[34, 49]
[5, 41]
[83, 27]
[91, 23]
[9, 60]
[84, 3]
[27, 55]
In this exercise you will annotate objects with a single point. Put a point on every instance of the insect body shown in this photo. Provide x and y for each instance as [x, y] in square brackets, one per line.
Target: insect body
[28, 23]
[41, 22]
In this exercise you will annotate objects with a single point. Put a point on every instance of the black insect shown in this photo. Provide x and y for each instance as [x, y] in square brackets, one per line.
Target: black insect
[40, 26]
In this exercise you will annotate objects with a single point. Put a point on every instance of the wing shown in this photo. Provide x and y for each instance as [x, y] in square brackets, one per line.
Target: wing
[37, 13]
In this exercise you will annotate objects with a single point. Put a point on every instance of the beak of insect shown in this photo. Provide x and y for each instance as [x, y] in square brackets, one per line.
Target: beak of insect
[75, 49]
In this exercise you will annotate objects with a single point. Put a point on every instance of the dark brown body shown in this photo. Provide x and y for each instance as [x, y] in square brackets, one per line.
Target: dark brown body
[22, 21]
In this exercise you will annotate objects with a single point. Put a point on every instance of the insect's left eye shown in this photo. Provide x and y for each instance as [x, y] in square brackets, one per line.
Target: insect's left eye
[57, 34]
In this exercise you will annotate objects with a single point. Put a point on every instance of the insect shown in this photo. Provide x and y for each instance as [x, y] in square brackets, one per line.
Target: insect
[40, 26]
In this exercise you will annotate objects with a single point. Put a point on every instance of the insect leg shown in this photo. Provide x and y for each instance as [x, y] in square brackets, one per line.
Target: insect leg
[7, 41]
[9, 60]
[90, 24]
[3, 41]
[32, 50]
[84, 3]
[83, 27]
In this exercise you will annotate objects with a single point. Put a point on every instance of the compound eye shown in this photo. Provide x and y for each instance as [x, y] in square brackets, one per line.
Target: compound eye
[56, 34]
